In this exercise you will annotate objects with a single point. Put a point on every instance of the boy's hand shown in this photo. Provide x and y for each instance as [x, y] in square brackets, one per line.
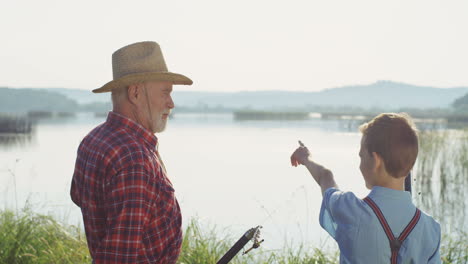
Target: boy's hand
[321, 175]
[300, 155]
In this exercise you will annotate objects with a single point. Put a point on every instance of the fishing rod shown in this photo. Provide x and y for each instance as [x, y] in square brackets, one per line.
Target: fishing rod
[408, 183]
[251, 234]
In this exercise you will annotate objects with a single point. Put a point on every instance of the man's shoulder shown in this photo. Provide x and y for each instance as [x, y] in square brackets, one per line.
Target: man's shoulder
[112, 142]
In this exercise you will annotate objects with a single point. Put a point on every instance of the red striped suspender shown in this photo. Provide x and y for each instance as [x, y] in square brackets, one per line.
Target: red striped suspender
[395, 243]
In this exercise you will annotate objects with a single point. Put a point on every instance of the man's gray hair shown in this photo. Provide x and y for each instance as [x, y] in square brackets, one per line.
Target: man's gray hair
[117, 95]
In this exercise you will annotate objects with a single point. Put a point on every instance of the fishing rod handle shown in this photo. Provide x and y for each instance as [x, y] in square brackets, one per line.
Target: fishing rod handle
[239, 245]
[234, 250]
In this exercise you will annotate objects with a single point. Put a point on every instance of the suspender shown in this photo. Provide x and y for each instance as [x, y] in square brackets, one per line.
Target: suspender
[395, 243]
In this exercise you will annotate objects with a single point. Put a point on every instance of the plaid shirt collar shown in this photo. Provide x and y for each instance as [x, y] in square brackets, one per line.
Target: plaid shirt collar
[142, 134]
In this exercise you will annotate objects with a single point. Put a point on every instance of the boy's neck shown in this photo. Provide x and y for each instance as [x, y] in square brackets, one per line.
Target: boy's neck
[391, 182]
[392, 186]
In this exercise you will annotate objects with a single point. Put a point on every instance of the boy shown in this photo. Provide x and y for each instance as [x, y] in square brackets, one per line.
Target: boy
[384, 227]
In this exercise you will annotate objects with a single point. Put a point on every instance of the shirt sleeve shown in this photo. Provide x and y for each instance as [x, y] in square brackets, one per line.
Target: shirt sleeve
[435, 258]
[338, 209]
[128, 204]
[326, 217]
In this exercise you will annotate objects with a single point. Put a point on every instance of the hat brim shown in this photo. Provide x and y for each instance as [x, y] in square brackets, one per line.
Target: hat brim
[124, 81]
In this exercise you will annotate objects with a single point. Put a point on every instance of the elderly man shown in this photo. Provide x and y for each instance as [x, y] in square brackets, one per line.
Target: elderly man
[130, 212]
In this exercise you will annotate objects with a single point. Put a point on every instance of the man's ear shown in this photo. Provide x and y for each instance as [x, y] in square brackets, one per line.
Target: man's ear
[134, 93]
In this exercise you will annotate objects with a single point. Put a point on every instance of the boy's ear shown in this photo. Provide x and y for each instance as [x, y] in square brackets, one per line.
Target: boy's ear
[378, 161]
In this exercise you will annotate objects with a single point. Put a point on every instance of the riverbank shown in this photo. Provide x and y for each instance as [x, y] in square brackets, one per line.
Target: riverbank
[28, 237]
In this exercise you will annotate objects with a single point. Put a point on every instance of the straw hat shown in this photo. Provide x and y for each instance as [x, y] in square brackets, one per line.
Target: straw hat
[140, 62]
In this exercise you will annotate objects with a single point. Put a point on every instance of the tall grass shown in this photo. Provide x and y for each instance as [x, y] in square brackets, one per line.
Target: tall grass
[26, 237]
[441, 180]
[441, 177]
[454, 249]
[206, 247]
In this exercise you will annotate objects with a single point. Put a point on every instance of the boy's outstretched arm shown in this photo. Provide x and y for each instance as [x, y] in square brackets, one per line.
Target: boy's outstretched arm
[322, 175]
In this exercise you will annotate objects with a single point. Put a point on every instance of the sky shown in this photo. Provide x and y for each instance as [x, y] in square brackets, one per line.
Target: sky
[242, 45]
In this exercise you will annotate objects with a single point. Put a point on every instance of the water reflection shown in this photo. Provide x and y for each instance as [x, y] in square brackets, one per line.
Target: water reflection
[12, 140]
[19, 130]
[10, 123]
[38, 117]
[15, 130]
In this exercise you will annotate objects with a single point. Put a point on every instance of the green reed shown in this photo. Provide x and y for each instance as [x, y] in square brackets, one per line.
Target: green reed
[203, 245]
[441, 180]
[455, 250]
[26, 237]
[206, 247]
[441, 177]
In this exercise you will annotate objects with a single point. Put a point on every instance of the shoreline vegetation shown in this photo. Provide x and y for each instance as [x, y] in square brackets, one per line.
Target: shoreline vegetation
[267, 115]
[27, 237]
[21, 123]
[440, 178]
[355, 102]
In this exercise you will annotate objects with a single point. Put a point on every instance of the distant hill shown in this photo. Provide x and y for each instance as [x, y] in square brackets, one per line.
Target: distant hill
[461, 103]
[24, 100]
[382, 94]
[82, 96]
[13, 100]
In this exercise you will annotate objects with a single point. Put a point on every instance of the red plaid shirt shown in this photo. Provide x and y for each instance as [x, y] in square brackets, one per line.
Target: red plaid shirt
[129, 208]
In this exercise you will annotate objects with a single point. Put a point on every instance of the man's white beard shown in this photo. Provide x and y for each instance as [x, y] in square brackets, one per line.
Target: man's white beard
[160, 125]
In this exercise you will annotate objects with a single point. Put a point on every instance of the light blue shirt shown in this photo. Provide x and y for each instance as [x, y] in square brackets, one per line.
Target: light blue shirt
[360, 236]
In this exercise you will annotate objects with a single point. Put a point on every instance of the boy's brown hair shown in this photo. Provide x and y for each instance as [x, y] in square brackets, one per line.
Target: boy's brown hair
[394, 137]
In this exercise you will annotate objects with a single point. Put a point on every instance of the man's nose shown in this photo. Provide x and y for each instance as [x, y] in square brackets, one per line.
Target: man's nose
[170, 103]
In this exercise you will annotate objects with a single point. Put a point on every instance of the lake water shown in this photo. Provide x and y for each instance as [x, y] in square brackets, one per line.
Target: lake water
[229, 174]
